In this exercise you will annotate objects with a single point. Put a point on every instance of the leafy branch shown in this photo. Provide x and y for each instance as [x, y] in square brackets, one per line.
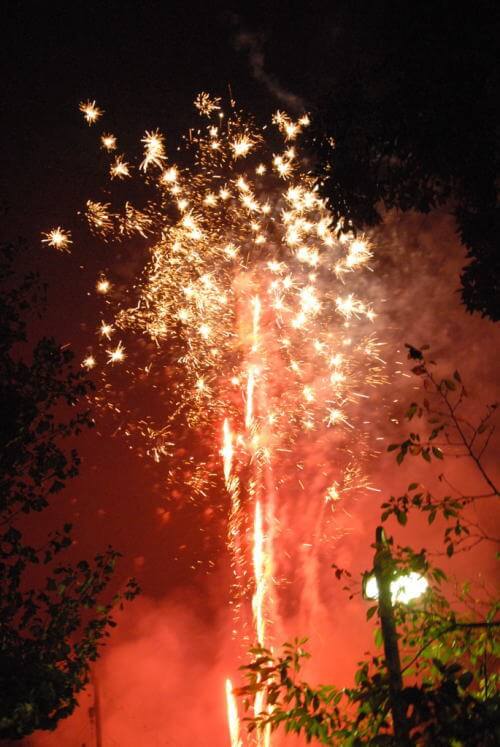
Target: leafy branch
[441, 410]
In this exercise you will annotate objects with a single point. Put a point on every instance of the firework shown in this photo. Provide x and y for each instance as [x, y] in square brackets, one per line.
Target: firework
[246, 301]
[227, 452]
[117, 354]
[154, 150]
[58, 238]
[103, 285]
[106, 330]
[259, 563]
[89, 362]
[108, 142]
[119, 169]
[232, 716]
[90, 111]
[207, 104]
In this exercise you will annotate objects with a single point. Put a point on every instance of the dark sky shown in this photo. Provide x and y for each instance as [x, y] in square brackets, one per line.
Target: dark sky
[146, 60]
[143, 61]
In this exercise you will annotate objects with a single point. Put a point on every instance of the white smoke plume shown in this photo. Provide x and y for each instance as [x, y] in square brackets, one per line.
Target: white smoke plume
[253, 44]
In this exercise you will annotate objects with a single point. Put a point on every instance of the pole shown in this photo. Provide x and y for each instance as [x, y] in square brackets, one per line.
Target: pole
[95, 710]
[383, 568]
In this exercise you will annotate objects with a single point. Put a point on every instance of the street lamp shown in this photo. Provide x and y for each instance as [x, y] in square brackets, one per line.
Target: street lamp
[404, 588]
[385, 586]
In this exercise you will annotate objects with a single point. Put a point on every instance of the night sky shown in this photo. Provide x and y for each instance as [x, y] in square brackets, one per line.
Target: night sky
[144, 63]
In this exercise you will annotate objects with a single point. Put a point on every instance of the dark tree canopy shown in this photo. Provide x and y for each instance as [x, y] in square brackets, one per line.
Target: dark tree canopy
[53, 619]
[404, 97]
[410, 116]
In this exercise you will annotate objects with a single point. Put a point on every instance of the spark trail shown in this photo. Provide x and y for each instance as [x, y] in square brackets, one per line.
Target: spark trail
[232, 716]
[248, 300]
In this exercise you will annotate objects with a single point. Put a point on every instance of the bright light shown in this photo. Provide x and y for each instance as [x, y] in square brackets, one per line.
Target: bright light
[170, 175]
[232, 716]
[58, 238]
[89, 362]
[108, 141]
[103, 285]
[403, 589]
[241, 146]
[91, 111]
[119, 169]
[116, 355]
[154, 149]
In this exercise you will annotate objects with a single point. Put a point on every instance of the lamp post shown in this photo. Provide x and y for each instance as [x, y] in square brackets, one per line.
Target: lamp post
[383, 569]
[385, 585]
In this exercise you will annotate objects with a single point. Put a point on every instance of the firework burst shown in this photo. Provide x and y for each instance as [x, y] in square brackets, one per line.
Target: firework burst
[58, 238]
[246, 300]
[90, 111]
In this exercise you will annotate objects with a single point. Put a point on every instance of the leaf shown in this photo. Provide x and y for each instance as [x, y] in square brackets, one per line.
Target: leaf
[465, 680]
[411, 411]
[414, 353]
[371, 612]
[402, 517]
[439, 575]
[437, 452]
[413, 486]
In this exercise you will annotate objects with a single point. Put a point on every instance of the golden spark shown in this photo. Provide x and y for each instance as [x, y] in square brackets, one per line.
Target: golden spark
[108, 142]
[103, 285]
[207, 104]
[59, 238]
[106, 330]
[90, 111]
[154, 150]
[119, 169]
[116, 355]
[89, 362]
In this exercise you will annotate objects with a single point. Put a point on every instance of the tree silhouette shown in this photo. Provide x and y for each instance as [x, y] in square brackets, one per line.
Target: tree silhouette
[53, 619]
[406, 118]
[404, 103]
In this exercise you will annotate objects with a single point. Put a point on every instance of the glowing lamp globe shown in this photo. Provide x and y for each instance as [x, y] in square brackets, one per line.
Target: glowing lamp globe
[404, 588]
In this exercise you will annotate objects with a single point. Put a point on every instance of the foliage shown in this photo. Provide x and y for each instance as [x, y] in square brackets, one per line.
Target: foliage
[442, 709]
[52, 618]
[405, 119]
[450, 430]
[446, 639]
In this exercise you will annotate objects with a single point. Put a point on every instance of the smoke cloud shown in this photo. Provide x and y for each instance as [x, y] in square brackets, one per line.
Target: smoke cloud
[253, 44]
